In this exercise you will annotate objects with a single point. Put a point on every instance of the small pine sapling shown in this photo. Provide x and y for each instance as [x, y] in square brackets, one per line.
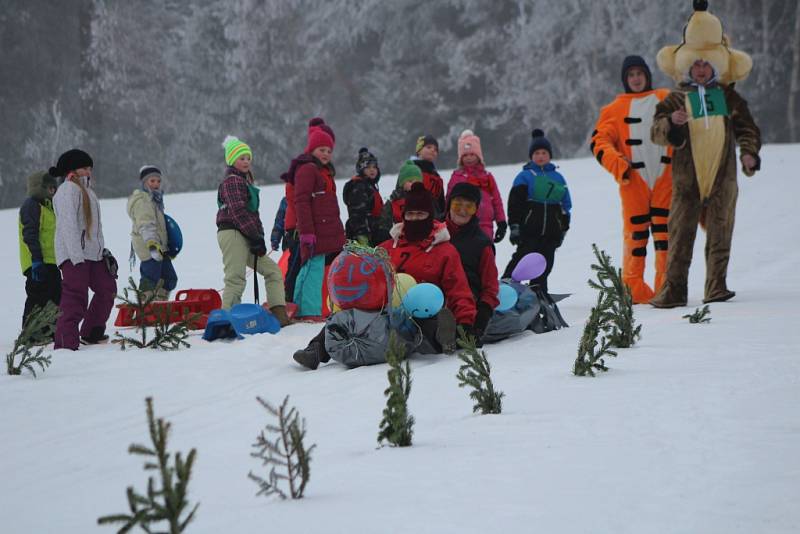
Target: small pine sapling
[591, 351]
[286, 452]
[167, 503]
[168, 336]
[476, 373]
[618, 321]
[700, 315]
[397, 424]
[38, 329]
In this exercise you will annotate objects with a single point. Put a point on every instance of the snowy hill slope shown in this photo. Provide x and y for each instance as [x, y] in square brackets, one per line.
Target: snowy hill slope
[693, 430]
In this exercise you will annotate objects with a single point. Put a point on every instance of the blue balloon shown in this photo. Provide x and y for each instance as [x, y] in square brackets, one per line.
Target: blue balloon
[507, 296]
[174, 236]
[423, 300]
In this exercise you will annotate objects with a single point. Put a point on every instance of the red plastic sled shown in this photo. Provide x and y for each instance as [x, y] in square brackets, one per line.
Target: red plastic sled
[187, 302]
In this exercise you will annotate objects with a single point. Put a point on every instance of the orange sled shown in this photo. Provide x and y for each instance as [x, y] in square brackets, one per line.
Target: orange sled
[188, 302]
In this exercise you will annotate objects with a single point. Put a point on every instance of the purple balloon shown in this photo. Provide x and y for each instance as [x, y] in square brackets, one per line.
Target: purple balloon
[529, 267]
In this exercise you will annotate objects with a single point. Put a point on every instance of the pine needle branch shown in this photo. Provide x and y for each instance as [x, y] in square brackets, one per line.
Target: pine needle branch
[397, 424]
[618, 322]
[38, 328]
[476, 373]
[700, 315]
[591, 352]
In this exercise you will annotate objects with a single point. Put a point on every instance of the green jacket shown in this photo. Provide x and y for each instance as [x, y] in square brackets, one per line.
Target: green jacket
[149, 227]
[37, 223]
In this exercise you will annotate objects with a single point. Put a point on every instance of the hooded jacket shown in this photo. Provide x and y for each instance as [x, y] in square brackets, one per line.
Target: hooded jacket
[37, 223]
[539, 202]
[148, 224]
[238, 203]
[74, 241]
[316, 206]
[436, 261]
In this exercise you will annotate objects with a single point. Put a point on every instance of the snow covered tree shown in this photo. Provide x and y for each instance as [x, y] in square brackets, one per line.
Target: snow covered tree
[397, 424]
[287, 457]
[160, 504]
[591, 351]
[618, 321]
[476, 373]
[38, 329]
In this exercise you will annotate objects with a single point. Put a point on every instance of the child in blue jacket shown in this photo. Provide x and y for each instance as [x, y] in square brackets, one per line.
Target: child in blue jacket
[539, 208]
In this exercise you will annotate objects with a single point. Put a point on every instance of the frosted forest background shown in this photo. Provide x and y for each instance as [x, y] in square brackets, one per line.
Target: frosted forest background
[163, 81]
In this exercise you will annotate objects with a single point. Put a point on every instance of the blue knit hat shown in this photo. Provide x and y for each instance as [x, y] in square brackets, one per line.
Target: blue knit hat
[538, 140]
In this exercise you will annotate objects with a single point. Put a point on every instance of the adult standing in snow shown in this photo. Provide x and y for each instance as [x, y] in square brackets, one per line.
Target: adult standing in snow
[622, 145]
[240, 234]
[703, 120]
[81, 255]
[319, 225]
[471, 169]
[475, 249]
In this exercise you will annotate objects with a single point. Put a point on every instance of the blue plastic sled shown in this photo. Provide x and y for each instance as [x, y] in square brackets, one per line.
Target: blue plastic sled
[241, 319]
[174, 236]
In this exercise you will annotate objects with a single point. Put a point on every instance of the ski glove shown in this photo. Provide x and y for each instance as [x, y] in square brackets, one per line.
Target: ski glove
[258, 247]
[307, 244]
[156, 255]
[36, 268]
[111, 263]
[501, 231]
[514, 234]
[482, 318]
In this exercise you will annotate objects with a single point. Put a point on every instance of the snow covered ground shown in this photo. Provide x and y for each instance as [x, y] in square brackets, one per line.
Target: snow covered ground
[695, 430]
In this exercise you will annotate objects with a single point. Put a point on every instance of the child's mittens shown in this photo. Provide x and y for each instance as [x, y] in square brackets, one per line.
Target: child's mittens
[155, 251]
[307, 244]
[36, 268]
[513, 235]
[500, 233]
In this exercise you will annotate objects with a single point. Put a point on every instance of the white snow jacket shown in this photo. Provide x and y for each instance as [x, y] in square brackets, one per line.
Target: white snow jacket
[149, 226]
[75, 242]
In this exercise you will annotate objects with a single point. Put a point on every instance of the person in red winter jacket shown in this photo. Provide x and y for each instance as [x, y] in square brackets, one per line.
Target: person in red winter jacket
[420, 247]
[319, 226]
[471, 169]
[476, 251]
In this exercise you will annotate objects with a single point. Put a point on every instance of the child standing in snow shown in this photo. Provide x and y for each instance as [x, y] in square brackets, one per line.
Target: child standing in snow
[471, 169]
[240, 233]
[276, 236]
[539, 208]
[81, 255]
[427, 150]
[37, 255]
[149, 234]
[363, 200]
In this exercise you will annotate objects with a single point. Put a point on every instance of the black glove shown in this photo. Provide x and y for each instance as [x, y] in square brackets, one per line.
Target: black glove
[111, 263]
[514, 235]
[501, 231]
[258, 247]
[482, 318]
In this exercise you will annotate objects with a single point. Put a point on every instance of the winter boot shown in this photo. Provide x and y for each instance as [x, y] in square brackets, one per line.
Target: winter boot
[96, 335]
[670, 296]
[720, 296]
[314, 353]
[446, 330]
[280, 314]
[641, 293]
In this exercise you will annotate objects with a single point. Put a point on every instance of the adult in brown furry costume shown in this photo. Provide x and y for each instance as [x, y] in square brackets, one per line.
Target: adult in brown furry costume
[703, 119]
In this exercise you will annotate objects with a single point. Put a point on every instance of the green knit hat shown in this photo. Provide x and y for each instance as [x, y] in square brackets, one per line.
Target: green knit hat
[409, 172]
[234, 149]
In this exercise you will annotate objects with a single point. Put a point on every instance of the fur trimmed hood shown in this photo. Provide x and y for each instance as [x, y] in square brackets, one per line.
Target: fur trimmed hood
[438, 235]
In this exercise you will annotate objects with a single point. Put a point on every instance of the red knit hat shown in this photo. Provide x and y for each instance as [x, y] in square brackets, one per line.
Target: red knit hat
[319, 134]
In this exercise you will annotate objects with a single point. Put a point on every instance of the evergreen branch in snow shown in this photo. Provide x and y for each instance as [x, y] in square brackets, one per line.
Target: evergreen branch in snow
[38, 329]
[286, 452]
[165, 504]
[618, 321]
[591, 351]
[700, 315]
[397, 425]
[476, 373]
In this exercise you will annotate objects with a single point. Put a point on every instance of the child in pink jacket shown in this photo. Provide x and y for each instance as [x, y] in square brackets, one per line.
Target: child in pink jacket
[471, 170]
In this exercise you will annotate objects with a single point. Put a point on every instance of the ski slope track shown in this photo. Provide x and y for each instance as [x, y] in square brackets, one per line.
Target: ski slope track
[694, 430]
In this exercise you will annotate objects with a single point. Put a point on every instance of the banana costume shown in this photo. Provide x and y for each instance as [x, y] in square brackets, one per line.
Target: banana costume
[621, 143]
[704, 159]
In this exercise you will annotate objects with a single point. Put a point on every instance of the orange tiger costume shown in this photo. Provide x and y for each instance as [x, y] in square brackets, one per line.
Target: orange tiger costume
[621, 143]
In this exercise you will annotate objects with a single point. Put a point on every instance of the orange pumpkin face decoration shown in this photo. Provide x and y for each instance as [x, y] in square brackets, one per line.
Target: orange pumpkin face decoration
[358, 281]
